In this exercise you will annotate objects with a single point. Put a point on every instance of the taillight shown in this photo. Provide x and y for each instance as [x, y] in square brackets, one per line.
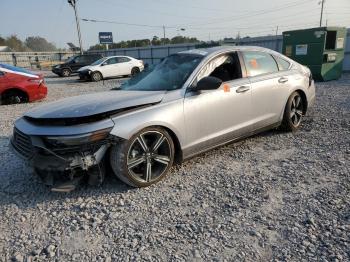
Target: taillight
[38, 81]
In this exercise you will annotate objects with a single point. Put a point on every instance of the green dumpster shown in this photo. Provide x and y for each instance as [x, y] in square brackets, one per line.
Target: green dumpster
[321, 49]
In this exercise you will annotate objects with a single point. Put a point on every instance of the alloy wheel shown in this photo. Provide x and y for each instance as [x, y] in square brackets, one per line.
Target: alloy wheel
[66, 72]
[96, 76]
[149, 156]
[296, 111]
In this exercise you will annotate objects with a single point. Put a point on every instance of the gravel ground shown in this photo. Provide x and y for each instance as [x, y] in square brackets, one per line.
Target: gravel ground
[276, 196]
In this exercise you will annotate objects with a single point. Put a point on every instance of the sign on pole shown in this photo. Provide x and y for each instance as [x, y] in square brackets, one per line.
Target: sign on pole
[105, 37]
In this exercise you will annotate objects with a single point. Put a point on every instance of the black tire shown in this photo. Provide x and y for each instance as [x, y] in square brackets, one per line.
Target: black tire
[66, 72]
[96, 76]
[293, 112]
[157, 155]
[14, 97]
[135, 71]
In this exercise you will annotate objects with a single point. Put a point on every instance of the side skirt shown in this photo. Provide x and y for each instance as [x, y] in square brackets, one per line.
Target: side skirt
[235, 139]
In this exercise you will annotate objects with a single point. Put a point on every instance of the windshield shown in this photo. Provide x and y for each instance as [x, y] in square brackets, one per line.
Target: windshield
[98, 61]
[170, 74]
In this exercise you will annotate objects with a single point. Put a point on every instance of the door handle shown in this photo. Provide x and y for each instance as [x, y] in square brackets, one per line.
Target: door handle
[283, 80]
[242, 89]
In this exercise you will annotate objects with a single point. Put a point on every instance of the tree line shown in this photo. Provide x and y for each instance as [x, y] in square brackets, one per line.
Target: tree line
[31, 43]
[155, 41]
[40, 44]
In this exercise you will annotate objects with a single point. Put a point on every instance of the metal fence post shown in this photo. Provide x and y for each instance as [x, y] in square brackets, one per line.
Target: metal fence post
[37, 61]
[14, 59]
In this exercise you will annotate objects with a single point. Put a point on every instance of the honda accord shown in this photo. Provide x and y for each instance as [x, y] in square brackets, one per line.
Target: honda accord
[189, 103]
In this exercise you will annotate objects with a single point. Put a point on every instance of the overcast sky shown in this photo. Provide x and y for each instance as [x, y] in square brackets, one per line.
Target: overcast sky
[204, 19]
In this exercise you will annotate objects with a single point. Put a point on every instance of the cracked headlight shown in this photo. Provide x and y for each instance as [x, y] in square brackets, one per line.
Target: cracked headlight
[79, 139]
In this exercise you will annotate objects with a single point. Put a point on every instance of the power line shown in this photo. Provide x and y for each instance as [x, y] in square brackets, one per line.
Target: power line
[123, 23]
[273, 22]
[252, 14]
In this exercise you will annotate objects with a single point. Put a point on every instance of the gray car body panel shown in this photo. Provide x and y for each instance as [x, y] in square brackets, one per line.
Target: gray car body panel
[199, 120]
[94, 104]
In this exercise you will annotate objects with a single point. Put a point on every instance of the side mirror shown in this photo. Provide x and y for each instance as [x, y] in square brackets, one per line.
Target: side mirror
[103, 64]
[209, 83]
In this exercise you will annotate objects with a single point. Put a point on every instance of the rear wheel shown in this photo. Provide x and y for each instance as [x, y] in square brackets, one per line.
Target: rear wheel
[14, 97]
[96, 76]
[66, 72]
[293, 112]
[135, 71]
[145, 159]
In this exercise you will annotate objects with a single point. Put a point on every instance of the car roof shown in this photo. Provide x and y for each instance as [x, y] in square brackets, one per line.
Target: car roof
[117, 56]
[221, 49]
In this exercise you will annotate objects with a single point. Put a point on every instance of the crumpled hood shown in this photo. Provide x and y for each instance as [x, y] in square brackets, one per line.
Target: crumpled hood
[94, 104]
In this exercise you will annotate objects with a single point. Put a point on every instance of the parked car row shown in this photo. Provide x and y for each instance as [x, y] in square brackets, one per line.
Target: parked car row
[94, 67]
[18, 85]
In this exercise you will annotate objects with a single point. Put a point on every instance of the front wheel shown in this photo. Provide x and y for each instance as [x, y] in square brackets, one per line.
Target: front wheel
[293, 112]
[66, 72]
[13, 97]
[145, 158]
[96, 76]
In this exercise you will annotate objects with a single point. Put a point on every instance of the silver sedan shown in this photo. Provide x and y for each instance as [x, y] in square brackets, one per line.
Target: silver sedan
[189, 103]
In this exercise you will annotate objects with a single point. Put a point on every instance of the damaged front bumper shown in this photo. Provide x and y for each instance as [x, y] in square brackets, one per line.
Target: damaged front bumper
[63, 171]
[63, 163]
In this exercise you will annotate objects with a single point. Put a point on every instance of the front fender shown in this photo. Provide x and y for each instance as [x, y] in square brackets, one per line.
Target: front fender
[169, 115]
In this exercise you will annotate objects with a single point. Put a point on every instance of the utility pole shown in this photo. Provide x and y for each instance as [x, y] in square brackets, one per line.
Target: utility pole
[322, 6]
[276, 48]
[73, 3]
[163, 35]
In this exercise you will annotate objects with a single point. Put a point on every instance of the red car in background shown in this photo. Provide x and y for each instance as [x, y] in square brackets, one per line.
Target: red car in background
[18, 85]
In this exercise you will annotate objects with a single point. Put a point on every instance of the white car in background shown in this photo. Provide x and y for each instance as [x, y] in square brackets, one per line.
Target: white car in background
[111, 66]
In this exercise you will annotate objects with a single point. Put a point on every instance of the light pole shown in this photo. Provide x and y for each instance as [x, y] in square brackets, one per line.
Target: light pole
[73, 3]
[322, 6]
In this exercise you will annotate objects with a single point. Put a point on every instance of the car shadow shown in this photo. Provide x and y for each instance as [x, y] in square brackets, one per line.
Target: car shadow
[20, 186]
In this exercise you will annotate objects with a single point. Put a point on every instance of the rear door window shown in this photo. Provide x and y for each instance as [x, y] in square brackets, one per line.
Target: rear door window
[282, 64]
[112, 61]
[259, 63]
[123, 59]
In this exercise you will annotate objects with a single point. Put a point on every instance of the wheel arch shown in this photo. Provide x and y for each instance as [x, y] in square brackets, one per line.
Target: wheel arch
[304, 99]
[178, 151]
[173, 134]
[98, 71]
[15, 89]
[66, 67]
[303, 96]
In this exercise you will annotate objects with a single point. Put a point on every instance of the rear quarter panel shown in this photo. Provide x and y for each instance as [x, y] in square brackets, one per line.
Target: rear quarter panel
[298, 81]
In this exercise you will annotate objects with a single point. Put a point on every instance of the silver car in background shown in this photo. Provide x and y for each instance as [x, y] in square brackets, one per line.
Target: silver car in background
[189, 103]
